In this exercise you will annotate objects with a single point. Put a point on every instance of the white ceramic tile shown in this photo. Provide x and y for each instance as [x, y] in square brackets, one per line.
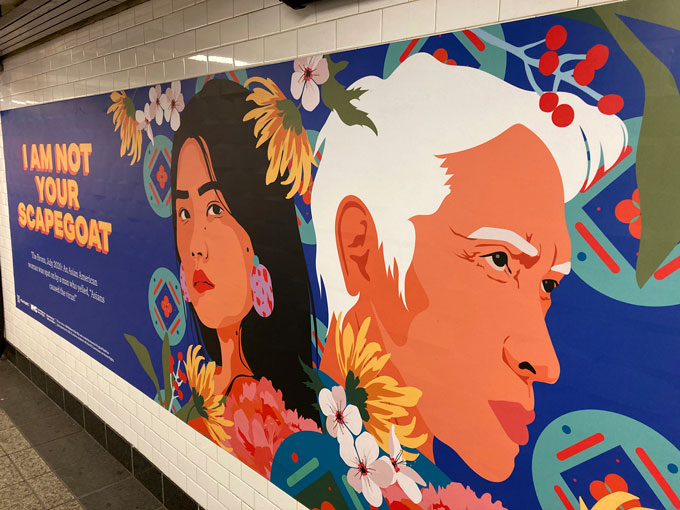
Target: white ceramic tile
[333, 9]
[319, 38]
[83, 35]
[126, 19]
[208, 37]
[105, 83]
[221, 59]
[174, 69]
[173, 24]
[219, 10]
[144, 54]
[246, 6]
[121, 80]
[70, 40]
[184, 44]
[234, 30]
[511, 9]
[98, 66]
[249, 53]
[408, 20]
[96, 30]
[112, 62]
[72, 73]
[457, 14]
[85, 69]
[196, 65]
[77, 54]
[118, 41]
[128, 59]
[163, 50]
[110, 25]
[135, 36]
[161, 7]
[80, 88]
[181, 4]
[143, 13]
[195, 16]
[104, 45]
[264, 22]
[153, 30]
[360, 30]
[90, 50]
[280, 46]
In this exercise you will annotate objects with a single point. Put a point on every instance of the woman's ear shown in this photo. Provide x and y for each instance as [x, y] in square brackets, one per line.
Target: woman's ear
[357, 241]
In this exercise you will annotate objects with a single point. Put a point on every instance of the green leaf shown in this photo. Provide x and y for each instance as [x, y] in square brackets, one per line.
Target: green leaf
[314, 381]
[167, 376]
[356, 395]
[199, 403]
[290, 115]
[337, 98]
[144, 360]
[184, 412]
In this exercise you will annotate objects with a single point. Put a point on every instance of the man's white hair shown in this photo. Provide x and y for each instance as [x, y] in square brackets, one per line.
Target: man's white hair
[425, 109]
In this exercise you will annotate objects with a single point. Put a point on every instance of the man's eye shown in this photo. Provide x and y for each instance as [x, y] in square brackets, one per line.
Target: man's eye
[498, 260]
[184, 214]
[214, 210]
[549, 285]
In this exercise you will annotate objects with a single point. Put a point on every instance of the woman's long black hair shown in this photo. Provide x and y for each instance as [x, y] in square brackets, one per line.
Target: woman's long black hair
[271, 345]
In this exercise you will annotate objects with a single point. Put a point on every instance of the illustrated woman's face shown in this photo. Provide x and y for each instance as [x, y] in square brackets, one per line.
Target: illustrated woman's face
[215, 250]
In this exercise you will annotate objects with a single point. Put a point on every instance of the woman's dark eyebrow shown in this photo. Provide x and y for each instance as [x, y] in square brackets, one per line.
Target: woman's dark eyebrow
[207, 187]
[180, 193]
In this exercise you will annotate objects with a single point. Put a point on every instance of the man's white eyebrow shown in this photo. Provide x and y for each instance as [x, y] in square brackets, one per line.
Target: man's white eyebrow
[507, 236]
[564, 268]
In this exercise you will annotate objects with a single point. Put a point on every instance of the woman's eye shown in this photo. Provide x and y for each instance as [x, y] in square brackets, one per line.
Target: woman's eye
[498, 260]
[549, 285]
[184, 214]
[214, 210]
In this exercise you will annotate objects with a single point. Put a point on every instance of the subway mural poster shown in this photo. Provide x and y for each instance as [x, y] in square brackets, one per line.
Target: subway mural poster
[441, 273]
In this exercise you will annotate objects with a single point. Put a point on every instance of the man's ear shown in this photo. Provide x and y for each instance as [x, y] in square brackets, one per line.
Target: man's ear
[357, 242]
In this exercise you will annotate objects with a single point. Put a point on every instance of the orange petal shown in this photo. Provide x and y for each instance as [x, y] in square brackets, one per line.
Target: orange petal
[635, 228]
[636, 196]
[626, 210]
[598, 489]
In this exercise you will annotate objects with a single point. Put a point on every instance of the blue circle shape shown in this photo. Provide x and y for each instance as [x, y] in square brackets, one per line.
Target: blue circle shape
[581, 256]
[566, 429]
[672, 468]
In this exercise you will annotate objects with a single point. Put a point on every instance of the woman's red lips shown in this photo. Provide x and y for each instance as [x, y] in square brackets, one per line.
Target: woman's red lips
[514, 419]
[201, 282]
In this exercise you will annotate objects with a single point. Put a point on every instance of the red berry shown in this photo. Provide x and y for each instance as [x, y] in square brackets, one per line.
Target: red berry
[610, 104]
[171, 361]
[584, 73]
[548, 101]
[441, 54]
[548, 63]
[179, 394]
[179, 356]
[563, 115]
[451, 62]
[597, 56]
[556, 37]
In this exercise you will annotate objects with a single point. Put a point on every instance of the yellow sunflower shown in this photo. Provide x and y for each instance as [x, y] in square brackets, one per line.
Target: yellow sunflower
[386, 400]
[207, 405]
[124, 118]
[613, 501]
[279, 121]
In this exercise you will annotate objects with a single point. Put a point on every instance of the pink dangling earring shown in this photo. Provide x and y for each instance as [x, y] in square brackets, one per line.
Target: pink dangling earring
[261, 289]
[183, 284]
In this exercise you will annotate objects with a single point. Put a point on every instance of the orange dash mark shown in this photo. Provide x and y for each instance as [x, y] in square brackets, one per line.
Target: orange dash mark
[154, 193]
[408, 50]
[668, 269]
[580, 446]
[233, 76]
[173, 293]
[174, 327]
[563, 498]
[159, 319]
[597, 248]
[167, 155]
[153, 158]
[474, 39]
[160, 282]
[656, 474]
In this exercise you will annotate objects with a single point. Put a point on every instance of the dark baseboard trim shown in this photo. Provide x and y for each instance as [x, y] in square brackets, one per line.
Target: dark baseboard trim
[164, 489]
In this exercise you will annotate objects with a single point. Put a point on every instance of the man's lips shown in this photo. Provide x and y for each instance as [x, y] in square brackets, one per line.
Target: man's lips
[514, 419]
[202, 282]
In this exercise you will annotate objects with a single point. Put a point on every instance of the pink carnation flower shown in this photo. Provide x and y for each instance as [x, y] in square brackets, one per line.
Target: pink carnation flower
[261, 423]
[452, 497]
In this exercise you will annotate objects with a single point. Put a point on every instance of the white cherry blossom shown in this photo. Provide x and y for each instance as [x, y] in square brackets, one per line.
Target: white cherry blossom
[341, 418]
[405, 476]
[310, 72]
[173, 104]
[368, 474]
[155, 104]
[143, 119]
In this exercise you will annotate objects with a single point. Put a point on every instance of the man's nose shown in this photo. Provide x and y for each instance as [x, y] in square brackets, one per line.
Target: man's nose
[528, 349]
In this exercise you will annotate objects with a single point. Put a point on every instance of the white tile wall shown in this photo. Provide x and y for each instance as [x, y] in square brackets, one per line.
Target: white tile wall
[161, 40]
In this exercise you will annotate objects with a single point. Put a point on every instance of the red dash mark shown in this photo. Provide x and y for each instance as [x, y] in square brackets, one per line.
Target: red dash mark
[479, 44]
[563, 497]
[173, 293]
[175, 326]
[167, 200]
[597, 248]
[233, 76]
[157, 287]
[153, 158]
[668, 269]
[580, 446]
[167, 155]
[408, 50]
[159, 318]
[154, 193]
[656, 474]
[601, 171]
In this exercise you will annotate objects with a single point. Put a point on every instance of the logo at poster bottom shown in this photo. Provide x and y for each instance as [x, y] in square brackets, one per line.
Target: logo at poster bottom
[166, 305]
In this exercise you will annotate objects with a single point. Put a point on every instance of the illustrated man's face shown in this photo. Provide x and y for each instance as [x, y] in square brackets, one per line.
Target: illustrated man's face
[477, 293]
